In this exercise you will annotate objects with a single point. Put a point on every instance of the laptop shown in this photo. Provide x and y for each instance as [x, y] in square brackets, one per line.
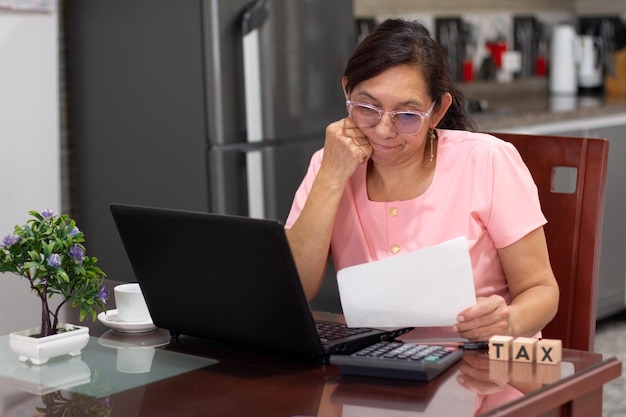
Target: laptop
[227, 277]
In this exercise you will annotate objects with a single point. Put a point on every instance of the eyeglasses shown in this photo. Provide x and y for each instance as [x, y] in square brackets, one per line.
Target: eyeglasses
[404, 121]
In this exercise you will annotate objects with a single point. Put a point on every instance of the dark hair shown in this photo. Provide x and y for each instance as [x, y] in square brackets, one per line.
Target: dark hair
[397, 41]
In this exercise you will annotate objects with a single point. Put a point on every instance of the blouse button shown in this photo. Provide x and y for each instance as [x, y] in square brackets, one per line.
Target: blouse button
[395, 249]
[393, 211]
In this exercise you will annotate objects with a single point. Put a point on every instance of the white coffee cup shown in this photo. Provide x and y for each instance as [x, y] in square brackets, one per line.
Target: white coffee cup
[131, 306]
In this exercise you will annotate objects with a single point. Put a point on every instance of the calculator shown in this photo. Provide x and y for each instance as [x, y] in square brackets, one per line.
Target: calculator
[393, 359]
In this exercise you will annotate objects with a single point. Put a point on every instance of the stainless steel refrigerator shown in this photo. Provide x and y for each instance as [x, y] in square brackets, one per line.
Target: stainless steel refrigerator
[209, 105]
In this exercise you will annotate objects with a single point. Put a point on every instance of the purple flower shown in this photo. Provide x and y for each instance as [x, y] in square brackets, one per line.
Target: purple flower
[77, 253]
[47, 213]
[8, 240]
[54, 260]
[102, 295]
[74, 231]
[106, 403]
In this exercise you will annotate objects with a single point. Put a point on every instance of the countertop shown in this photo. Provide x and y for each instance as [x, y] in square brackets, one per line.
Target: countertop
[523, 103]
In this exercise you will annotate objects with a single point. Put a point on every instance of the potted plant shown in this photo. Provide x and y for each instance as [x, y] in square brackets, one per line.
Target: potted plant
[49, 252]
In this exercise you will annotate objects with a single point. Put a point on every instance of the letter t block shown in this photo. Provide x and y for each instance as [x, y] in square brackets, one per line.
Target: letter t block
[500, 348]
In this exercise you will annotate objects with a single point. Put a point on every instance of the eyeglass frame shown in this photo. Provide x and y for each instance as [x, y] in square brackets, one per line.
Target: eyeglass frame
[381, 113]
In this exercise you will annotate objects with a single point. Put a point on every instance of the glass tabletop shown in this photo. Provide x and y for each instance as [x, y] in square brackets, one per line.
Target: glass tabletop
[111, 363]
[145, 375]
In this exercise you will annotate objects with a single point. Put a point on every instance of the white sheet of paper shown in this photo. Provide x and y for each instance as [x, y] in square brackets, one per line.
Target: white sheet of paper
[428, 287]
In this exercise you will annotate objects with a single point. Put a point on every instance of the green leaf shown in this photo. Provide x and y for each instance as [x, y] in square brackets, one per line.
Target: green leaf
[29, 265]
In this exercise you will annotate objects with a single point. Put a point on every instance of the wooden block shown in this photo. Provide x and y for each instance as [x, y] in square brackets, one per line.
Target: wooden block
[524, 349]
[549, 351]
[500, 348]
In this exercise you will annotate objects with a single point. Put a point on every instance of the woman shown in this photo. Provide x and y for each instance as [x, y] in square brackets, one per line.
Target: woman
[402, 172]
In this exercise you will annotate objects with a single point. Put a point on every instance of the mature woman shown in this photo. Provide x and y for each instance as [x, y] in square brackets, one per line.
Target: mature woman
[403, 171]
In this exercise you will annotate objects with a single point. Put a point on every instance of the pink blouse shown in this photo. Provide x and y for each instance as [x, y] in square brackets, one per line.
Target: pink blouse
[481, 189]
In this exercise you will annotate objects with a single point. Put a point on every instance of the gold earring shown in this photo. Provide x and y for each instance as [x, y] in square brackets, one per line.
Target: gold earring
[432, 136]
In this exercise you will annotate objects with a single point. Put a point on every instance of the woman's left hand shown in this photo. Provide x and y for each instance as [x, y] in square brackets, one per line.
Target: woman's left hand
[488, 317]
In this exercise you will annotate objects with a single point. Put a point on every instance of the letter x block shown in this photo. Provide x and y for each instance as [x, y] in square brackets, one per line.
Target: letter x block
[549, 351]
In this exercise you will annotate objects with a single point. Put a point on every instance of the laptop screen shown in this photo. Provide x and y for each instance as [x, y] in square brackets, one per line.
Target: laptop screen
[218, 276]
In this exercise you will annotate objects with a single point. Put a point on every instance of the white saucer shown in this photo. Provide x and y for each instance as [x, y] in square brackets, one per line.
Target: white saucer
[112, 320]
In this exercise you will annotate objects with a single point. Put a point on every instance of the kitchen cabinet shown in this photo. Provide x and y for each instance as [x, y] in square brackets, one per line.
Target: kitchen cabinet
[612, 285]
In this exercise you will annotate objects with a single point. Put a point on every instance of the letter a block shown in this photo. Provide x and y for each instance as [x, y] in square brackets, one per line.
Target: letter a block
[500, 348]
[549, 351]
[524, 349]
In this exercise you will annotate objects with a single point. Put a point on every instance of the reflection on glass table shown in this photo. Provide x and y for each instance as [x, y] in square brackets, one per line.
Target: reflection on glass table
[58, 373]
[113, 363]
[485, 383]
[135, 352]
[61, 403]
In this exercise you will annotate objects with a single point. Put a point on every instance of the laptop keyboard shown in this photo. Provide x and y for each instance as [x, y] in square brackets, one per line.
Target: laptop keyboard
[329, 331]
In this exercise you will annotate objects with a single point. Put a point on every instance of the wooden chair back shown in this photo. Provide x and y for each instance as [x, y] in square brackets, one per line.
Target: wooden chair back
[574, 209]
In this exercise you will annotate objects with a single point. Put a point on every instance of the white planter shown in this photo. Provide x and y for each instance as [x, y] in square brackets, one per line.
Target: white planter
[39, 349]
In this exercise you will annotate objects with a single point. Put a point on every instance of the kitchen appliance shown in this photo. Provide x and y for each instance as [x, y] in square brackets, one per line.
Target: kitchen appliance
[526, 37]
[497, 48]
[615, 84]
[610, 30]
[209, 105]
[591, 65]
[564, 58]
[452, 34]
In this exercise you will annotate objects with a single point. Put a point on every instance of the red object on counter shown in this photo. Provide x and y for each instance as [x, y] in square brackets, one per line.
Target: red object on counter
[468, 71]
[541, 66]
[496, 49]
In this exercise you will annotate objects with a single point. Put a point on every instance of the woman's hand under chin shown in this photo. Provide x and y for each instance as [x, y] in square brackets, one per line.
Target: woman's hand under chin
[345, 148]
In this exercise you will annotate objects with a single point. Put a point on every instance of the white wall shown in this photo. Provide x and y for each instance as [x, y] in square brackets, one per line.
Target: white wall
[29, 138]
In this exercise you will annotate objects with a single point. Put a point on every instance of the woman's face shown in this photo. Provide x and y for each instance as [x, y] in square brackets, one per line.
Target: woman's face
[398, 88]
